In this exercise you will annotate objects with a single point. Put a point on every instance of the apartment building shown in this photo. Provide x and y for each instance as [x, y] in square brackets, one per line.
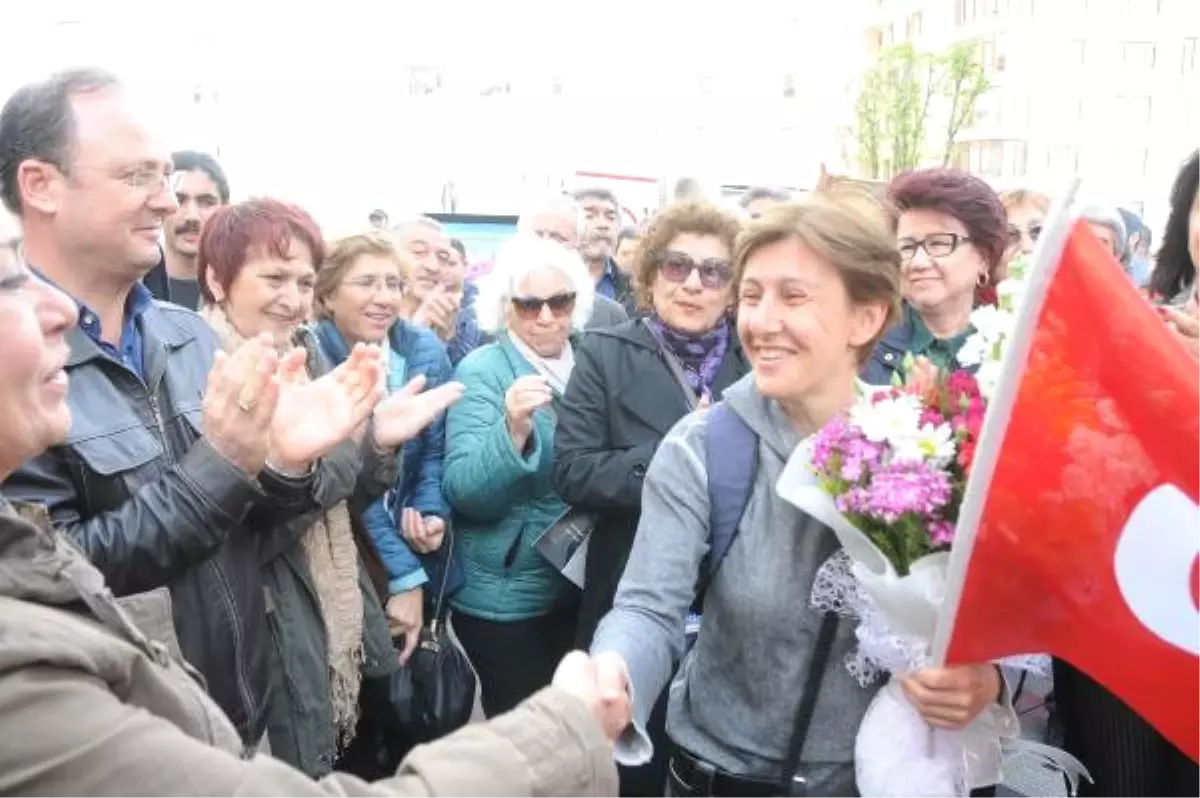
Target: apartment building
[1103, 89]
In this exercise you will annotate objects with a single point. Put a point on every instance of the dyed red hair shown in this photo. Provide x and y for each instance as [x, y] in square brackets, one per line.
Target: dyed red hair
[961, 195]
[235, 233]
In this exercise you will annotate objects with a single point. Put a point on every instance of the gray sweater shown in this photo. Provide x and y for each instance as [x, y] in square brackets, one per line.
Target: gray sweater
[733, 702]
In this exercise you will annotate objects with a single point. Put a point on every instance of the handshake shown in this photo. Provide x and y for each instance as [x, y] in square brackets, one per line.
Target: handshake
[262, 407]
[602, 683]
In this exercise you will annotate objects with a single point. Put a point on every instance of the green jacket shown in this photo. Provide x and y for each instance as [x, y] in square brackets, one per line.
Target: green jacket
[299, 717]
[502, 499]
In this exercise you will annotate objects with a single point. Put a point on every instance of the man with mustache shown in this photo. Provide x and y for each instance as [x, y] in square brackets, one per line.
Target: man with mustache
[200, 188]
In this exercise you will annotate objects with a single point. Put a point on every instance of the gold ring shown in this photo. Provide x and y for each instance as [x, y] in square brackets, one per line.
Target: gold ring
[245, 402]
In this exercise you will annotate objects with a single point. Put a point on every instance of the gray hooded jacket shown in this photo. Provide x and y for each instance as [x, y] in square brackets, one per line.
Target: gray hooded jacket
[734, 701]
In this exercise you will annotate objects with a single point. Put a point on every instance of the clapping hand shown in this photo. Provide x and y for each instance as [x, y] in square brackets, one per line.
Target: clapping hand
[437, 311]
[602, 683]
[313, 416]
[240, 399]
[406, 413]
[423, 533]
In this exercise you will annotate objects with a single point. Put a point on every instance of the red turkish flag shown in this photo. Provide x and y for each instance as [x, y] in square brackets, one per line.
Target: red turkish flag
[1079, 534]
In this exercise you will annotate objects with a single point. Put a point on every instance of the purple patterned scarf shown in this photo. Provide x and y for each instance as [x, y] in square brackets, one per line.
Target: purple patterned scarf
[700, 355]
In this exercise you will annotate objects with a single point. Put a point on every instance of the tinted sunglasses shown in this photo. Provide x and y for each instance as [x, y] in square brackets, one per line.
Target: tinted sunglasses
[677, 267]
[1034, 231]
[530, 307]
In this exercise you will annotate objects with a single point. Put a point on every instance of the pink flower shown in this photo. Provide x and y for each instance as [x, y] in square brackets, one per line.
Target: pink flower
[941, 533]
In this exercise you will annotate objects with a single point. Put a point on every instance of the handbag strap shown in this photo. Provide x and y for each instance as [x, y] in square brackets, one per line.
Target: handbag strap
[674, 366]
[440, 601]
[808, 700]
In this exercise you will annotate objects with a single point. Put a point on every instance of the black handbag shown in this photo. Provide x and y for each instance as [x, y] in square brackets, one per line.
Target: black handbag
[434, 694]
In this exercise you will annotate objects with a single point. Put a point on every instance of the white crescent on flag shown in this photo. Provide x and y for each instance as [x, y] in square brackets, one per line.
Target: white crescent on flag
[1155, 564]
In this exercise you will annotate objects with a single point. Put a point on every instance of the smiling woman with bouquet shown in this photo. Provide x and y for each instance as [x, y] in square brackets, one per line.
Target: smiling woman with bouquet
[763, 703]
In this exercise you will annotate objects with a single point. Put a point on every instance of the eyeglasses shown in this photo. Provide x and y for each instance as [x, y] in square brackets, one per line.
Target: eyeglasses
[147, 178]
[530, 307]
[392, 285]
[1034, 231]
[938, 245]
[677, 267]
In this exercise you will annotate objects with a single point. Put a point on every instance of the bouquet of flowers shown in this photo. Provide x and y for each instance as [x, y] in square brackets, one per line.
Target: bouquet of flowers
[888, 478]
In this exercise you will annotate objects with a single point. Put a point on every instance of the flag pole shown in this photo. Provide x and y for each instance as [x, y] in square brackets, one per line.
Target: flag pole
[1046, 256]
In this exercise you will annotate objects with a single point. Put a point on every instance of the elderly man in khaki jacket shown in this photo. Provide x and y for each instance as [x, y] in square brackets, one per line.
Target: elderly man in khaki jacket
[90, 705]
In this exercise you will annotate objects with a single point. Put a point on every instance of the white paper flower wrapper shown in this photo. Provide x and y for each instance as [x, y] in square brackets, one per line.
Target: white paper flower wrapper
[896, 752]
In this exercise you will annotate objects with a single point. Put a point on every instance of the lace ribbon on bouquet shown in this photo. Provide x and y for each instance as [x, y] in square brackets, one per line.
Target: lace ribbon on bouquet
[880, 650]
[897, 755]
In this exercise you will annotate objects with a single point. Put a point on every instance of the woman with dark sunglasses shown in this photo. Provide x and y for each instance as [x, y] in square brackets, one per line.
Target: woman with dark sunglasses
[515, 616]
[1026, 211]
[632, 383]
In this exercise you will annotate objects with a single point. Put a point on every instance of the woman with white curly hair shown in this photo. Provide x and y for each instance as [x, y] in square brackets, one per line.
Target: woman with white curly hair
[516, 614]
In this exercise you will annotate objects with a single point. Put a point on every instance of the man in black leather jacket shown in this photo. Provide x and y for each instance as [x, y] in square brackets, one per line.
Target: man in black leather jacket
[157, 483]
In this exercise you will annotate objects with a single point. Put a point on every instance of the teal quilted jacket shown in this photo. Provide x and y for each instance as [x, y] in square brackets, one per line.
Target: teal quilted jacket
[501, 499]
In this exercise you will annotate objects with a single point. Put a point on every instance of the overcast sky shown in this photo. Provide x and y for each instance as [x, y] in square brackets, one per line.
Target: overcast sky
[311, 97]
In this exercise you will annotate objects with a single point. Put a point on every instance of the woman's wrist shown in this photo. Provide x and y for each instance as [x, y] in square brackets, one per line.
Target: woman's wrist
[520, 434]
[288, 470]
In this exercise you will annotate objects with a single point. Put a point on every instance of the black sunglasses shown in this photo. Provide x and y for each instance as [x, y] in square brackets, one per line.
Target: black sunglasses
[530, 307]
[677, 267]
[1034, 231]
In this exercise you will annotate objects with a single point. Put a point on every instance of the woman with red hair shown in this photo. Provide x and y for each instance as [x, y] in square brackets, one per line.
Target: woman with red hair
[257, 268]
[952, 234]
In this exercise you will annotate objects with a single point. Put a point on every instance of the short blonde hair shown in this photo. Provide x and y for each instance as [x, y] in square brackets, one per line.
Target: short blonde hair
[847, 232]
[341, 257]
[1022, 196]
[515, 259]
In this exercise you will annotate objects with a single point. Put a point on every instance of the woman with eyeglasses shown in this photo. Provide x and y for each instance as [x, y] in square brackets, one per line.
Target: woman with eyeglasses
[357, 299]
[515, 615]
[633, 383]
[952, 233]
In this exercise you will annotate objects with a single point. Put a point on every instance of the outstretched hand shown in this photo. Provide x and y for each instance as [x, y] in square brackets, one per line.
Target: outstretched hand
[602, 683]
[406, 413]
[313, 416]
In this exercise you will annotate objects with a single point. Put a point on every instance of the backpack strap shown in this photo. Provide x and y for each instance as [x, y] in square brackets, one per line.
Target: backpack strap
[731, 459]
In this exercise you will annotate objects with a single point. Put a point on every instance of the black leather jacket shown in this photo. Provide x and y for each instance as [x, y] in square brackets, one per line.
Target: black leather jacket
[142, 493]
